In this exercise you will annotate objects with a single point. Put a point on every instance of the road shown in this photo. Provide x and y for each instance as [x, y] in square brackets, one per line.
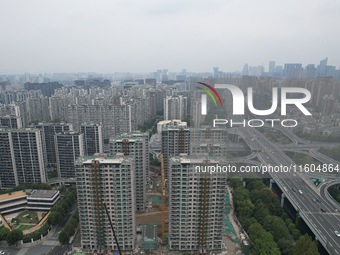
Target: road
[323, 224]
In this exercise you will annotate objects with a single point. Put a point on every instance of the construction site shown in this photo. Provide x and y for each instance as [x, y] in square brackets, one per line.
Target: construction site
[152, 226]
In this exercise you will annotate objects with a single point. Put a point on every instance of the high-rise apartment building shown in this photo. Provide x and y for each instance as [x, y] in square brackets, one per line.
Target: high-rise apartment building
[47, 89]
[175, 140]
[22, 157]
[11, 116]
[49, 131]
[293, 71]
[322, 67]
[175, 107]
[59, 106]
[93, 138]
[11, 121]
[196, 205]
[110, 180]
[115, 119]
[38, 109]
[136, 145]
[69, 146]
[271, 69]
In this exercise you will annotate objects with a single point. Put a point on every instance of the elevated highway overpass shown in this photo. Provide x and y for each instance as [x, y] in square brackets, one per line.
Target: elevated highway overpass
[322, 217]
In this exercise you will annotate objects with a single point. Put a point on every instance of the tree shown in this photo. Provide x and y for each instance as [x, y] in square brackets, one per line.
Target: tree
[244, 208]
[265, 245]
[14, 236]
[3, 233]
[235, 183]
[255, 184]
[277, 227]
[63, 238]
[286, 246]
[305, 246]
[260, 212]
[255, 230]
[54, 218]
[246, 222]
[268, 198]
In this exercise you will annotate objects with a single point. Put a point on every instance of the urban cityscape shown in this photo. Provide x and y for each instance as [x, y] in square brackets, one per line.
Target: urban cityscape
[127, 163]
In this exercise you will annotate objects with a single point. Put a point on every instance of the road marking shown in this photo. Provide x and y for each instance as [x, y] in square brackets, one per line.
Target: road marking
[23, 251]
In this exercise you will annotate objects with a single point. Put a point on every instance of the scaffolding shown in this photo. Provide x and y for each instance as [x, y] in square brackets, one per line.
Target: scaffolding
[98, 203]
[163, 206]
[181, 140]
[125, 146]
[204, 210]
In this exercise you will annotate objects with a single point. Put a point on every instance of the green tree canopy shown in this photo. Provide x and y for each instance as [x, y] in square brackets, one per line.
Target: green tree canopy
[305, 246]
[63, 237]
[3, 233]
[277, 227]
[14, 236]
[265, 245]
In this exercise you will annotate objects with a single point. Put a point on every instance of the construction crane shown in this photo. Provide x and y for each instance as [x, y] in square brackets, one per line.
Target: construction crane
[113, 231]
[163, 206]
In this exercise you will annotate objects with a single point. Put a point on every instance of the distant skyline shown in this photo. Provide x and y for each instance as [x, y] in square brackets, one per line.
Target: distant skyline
[108, 36]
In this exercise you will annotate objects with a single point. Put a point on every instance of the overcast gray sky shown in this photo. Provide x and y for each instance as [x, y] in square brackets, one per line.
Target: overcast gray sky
[144, 35]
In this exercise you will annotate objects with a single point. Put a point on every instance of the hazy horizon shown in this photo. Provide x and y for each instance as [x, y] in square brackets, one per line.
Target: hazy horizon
[142, 36]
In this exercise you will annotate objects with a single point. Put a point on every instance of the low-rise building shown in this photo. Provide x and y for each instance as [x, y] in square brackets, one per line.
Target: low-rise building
[37, 200]
[42, 200]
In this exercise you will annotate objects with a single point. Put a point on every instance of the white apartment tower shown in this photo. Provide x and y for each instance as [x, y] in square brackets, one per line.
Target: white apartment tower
[178, 139]
[22, 157]
[114, 119]
[196, 204]
[136, 145]
[175, 107]
[110, 180]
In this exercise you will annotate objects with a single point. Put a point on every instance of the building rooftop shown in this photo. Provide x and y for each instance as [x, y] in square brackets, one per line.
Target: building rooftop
[53, 124]
[43, 193]
[149, 232]
[199, 159]
[68, 133]
[23, 130]
[12, 195]
[90, 124]
[121, 138]
[104, 159]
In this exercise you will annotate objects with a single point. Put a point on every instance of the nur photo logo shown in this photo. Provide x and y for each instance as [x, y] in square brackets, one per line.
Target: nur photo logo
[204, 97]
[238, 103]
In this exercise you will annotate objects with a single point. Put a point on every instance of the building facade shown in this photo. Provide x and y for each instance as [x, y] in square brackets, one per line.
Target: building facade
[93, 138]
[135, 145]
[175, 140]
[110, 180]
[50, 130]
[196, 205]
[22, 157]
[69, 146]
[175, 107]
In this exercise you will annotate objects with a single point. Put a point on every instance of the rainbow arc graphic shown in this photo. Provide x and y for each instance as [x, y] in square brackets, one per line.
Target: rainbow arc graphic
[204, 96]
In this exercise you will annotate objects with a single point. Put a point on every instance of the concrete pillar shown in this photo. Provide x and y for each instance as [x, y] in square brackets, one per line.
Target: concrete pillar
[283, 196]
[271, 183]
[31, 240]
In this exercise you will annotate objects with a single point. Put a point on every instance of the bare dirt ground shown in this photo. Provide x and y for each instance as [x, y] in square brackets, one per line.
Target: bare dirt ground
[154, 216]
